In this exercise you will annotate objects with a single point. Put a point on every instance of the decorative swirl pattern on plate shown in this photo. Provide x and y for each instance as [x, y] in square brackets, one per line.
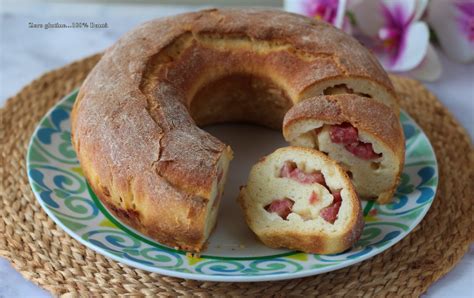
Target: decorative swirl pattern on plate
[123, 245]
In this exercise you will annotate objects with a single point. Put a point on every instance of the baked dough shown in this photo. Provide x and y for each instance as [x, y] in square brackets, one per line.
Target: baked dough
[298, 198]
[135, 123]
[362, 134]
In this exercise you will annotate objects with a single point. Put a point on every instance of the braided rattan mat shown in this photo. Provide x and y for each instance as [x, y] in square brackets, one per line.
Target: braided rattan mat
[45, 254]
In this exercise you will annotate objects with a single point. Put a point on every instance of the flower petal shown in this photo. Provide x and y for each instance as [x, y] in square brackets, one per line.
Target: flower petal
[333, 11]
[430, 68]
[413, 48]
[367, 15]
[403, 10]
[442, 16]
[341, 13]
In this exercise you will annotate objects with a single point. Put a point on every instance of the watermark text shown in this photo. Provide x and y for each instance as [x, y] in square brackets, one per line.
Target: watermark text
[72, 25]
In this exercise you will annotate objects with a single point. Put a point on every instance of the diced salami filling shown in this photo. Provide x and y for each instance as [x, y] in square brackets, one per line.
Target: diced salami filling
[348, 135]
[290, 170]
[313, 198]
[362, 150]
[337, 196]
[287, 168]
[330, 212]
[343, 133]
[282, 207]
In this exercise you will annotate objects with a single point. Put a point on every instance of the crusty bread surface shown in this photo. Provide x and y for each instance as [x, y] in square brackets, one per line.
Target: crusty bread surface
[135, 120]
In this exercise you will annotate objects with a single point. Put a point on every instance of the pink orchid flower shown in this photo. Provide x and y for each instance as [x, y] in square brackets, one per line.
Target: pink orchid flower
[331, 11]
[393, 30]
[453, 22]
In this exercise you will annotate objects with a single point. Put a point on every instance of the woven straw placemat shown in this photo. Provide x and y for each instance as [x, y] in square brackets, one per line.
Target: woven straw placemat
[46, 255]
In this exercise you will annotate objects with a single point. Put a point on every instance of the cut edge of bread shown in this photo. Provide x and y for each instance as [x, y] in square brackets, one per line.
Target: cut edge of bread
[375, 179]
[313, 234]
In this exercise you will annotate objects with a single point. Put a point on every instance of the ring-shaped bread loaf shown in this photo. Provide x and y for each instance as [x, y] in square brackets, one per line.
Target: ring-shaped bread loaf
[135, 121]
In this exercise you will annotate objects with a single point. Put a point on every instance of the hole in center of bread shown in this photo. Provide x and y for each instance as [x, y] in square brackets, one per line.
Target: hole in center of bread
[240, 98]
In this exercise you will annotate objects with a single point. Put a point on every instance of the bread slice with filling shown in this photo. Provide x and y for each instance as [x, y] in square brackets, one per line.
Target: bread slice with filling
[298, 198]
[362, 134]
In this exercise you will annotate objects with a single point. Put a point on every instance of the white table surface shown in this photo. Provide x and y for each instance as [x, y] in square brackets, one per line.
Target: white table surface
[26, 53]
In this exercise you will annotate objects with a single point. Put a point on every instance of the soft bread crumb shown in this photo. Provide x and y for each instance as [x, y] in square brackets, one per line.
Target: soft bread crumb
[304, 228]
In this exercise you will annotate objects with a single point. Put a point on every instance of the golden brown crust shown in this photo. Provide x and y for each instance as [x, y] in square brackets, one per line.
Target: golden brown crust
[163, 229]
[314, 243]
[366, 114]
[130, 124]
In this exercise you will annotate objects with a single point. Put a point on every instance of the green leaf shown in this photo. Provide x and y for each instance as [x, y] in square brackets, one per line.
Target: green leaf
[352, 19]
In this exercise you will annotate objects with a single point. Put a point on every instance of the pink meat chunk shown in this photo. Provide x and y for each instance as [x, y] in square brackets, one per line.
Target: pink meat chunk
[347, 135]
[313, 198]
[330, 212]
[343, 133]
[362, 150]
[281, 207]
[287, 168]
[290, 170]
